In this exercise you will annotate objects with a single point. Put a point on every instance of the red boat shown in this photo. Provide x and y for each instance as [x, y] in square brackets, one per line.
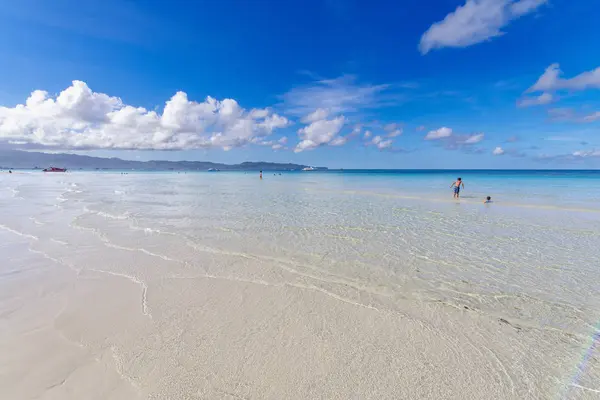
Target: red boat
[53, 169]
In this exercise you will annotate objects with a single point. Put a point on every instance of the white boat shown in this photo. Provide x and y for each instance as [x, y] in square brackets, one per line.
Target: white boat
[308, 169]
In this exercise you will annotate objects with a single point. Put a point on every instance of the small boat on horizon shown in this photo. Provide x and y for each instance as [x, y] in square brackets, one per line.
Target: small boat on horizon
[308, 169]
[54, 169]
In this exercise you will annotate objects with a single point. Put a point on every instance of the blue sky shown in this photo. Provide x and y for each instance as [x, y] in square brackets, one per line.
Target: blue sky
[379, 84]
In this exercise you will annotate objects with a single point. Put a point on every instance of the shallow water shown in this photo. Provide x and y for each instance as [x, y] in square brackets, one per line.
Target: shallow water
[510, 287]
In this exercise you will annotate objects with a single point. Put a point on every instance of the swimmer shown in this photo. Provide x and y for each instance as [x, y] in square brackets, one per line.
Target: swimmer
[260, 174]
[487, 200]
[456, 185]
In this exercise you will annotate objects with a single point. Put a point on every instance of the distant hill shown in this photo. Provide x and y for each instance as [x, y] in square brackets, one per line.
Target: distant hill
[13, 159]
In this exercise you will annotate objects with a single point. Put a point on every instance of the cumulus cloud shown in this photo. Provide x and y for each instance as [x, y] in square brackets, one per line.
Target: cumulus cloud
[474, 22]
[551, 80]
[544, 98]
[523, 7]
[78, 118]
[339, 141]
[439, 134]
[498, 151]
[320, 133]
[329, 99]
[318, 114]
[381, 143]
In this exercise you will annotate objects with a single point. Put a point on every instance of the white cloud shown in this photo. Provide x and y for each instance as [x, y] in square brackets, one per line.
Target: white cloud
[498, 151]
[393, 130]
[473, 139]
[544, 98]
[592, 117]
[587, 153]
[339, 95]
[551, 80]
[395, 133]
[272, 122]
[474, 22]
[259, 113]
[439, 134]
[339, 141]
[456, 142]
[79, 118]
[319, 133]
[323, 101]
[275, 145]
[462, 142]
[381, 143]
[523, 7]
[318, 114]
[385, 144]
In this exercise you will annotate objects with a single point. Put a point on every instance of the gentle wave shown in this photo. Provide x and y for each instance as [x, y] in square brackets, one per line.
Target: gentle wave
[25, 235]
[107, 215]
[144, 301]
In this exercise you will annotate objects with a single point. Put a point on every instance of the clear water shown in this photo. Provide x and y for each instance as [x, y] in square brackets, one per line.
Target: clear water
[539, 237]
[377, 238]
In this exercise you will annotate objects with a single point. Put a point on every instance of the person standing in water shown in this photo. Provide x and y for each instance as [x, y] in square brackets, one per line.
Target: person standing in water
[260, 174]
[457, 185]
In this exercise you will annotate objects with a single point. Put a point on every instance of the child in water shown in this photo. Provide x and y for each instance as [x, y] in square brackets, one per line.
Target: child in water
[456, 185]
[487, 200]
